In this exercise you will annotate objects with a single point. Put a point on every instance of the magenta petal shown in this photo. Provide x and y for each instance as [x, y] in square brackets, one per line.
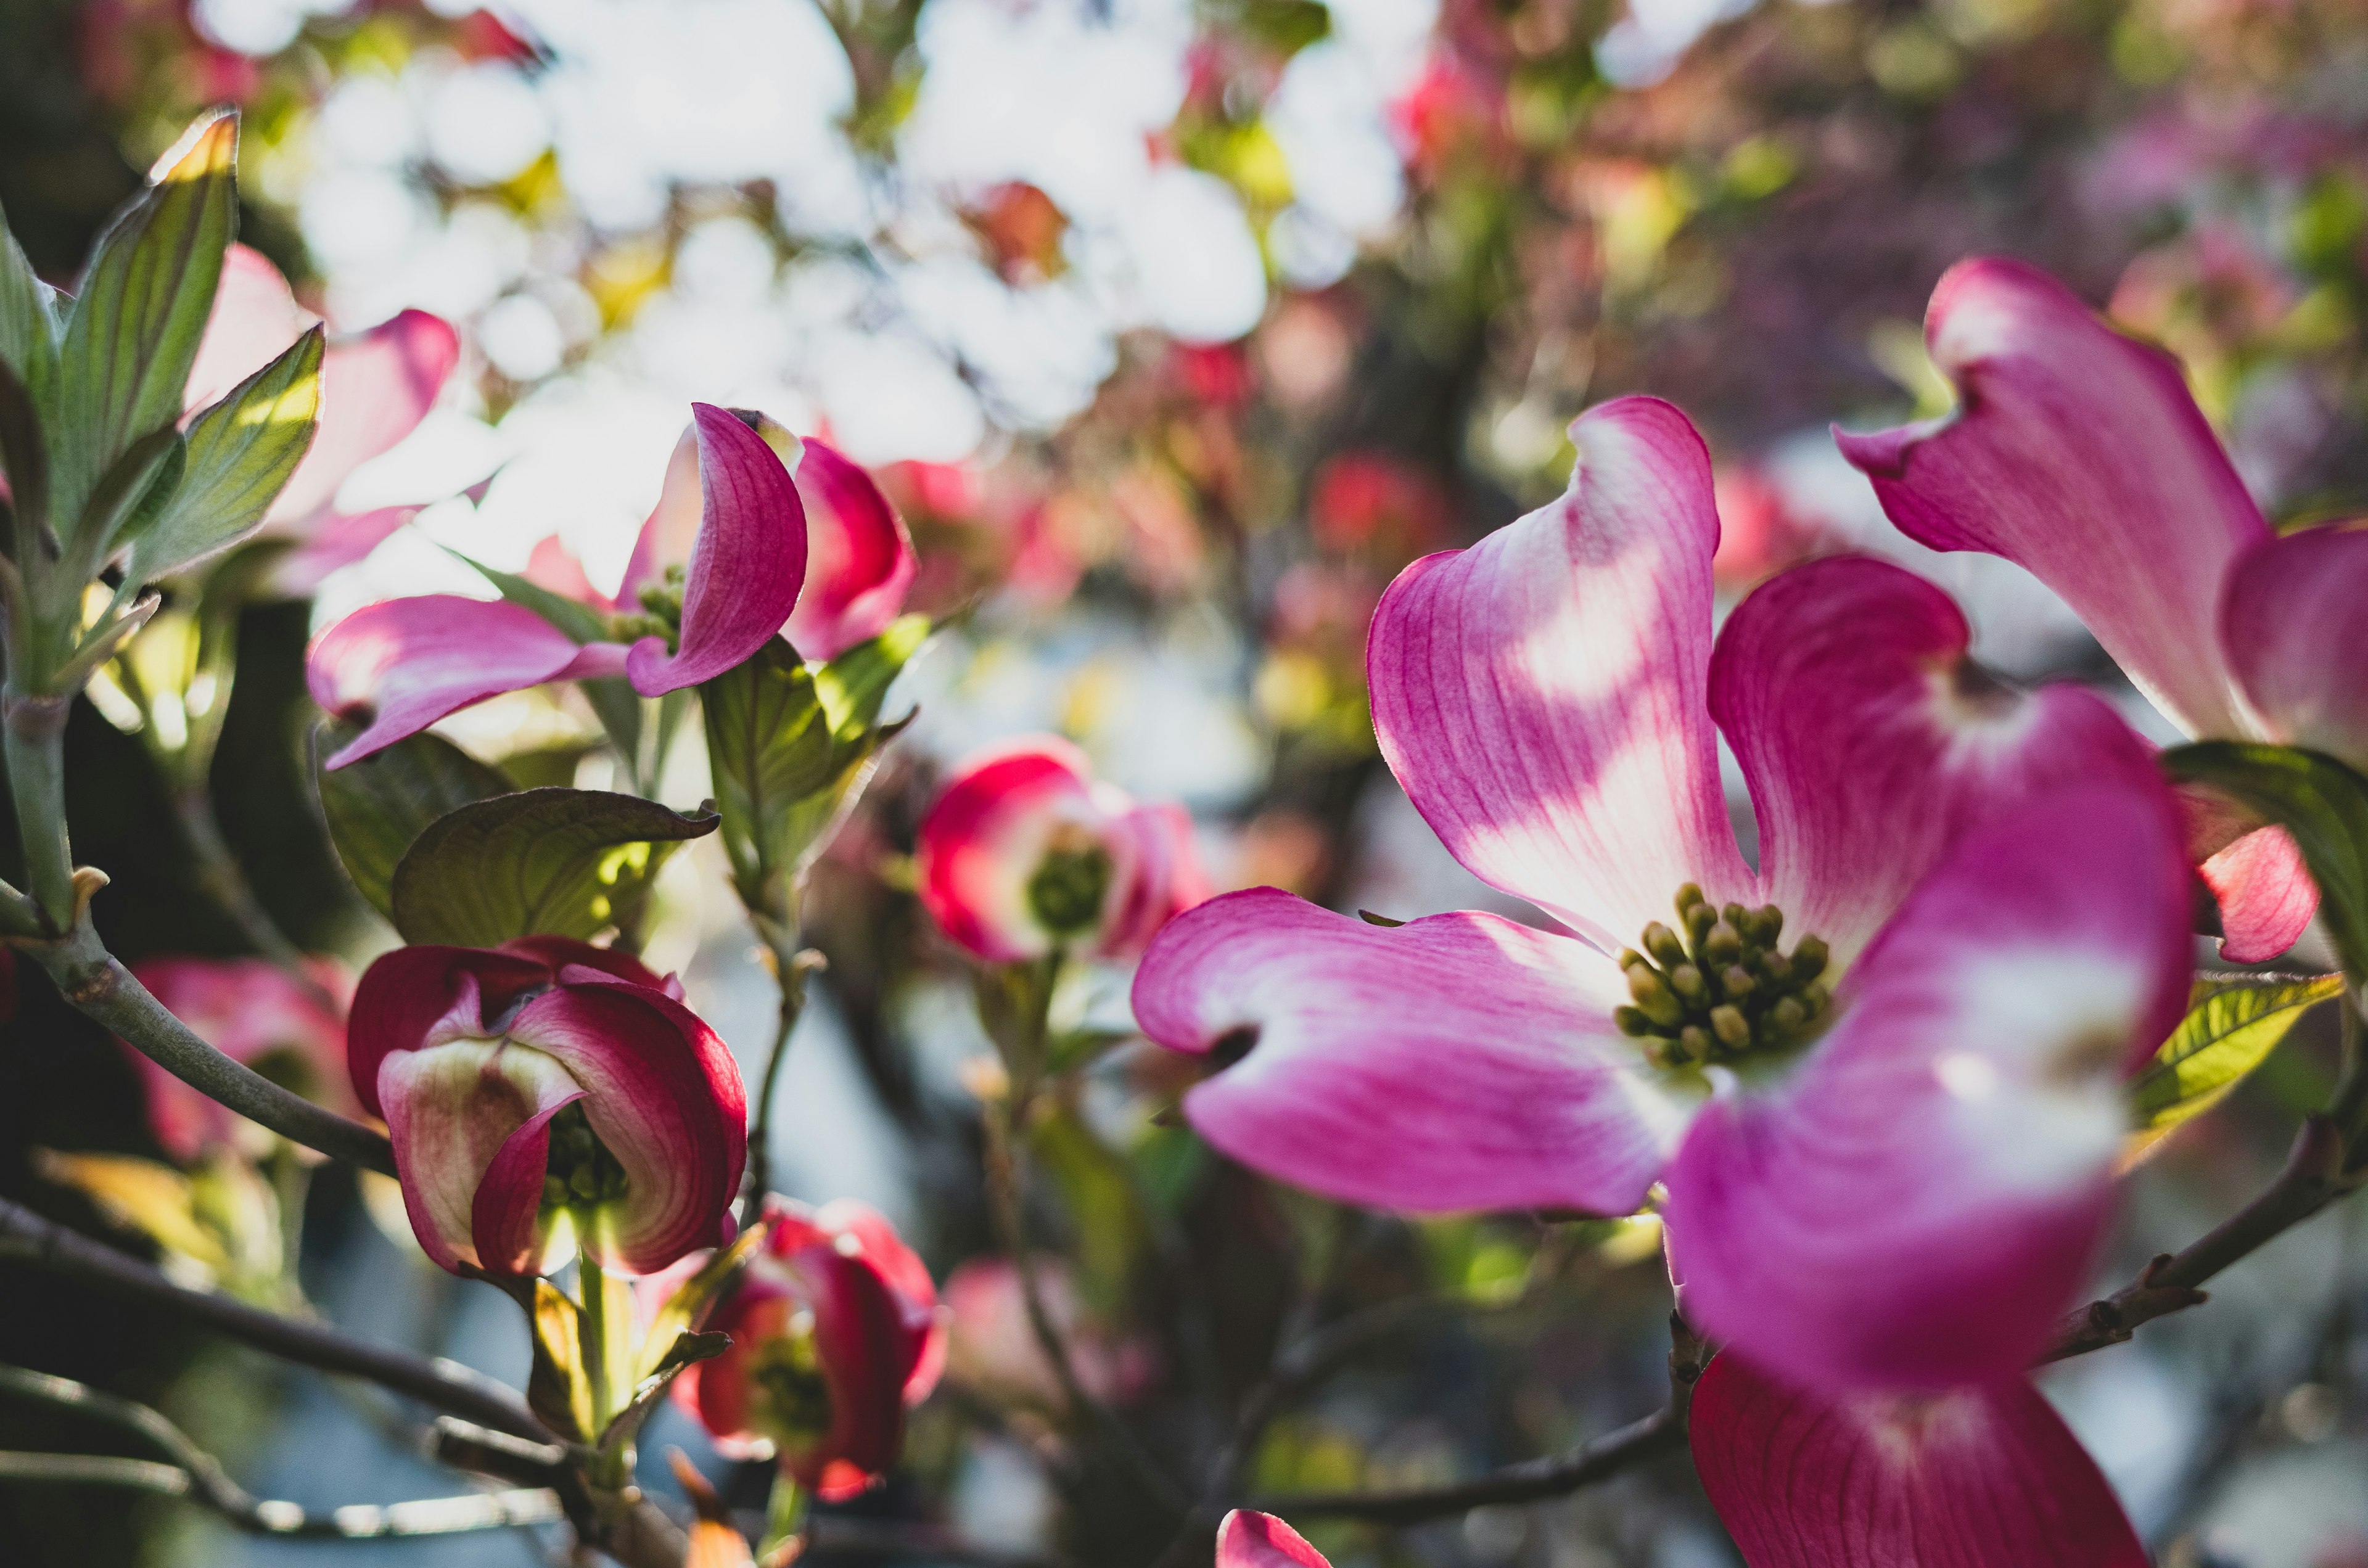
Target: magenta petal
[334, 540]
[2077, 452]
[1246, 1540]
[746, 567]
[410, 661]
[1872, 744]
[505, 1218]
[1540, 695]
[1984, 1477]
[859, 560]
[2295, 623]
[1917, 1202]
[375, 387]
[2265, 895]
[1458, 1062]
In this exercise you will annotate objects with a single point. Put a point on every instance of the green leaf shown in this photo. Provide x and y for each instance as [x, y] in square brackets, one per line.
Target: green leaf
[29, 329]
[2318, 800]
[566, 863]
[687, 1308]
[378, 807]
[2230, 1028]
[22, 455]
[853, 686]
[134, 328]
[580, 621]
[134, 489]
[241, 452]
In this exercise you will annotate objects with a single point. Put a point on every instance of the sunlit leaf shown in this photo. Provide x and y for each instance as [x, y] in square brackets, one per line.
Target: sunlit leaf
[29, 328]
[2230, 1028]
[241, 452]
[378, 807]
[566, 863]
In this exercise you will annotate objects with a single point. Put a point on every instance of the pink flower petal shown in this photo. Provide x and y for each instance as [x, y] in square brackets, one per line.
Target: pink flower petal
[859, 560]
[2077, 452]
[255, 318]
[405, 993]
[1981, 1477]
[2265, 895]
[866, 1348]
[1246, 1540]
[334, 540]
[985, 834]
[506, 1214]
[1540, 695]
[1872, 744]
[746, 567]
[876, 1240]
[1972, 1082]
[246, 1008]
[2296, 624]
[410, 661]
[375, 387]
[1458, 1062]
[664, 1095]
[452, 1110]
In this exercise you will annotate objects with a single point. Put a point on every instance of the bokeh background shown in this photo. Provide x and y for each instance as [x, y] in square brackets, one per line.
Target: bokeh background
[1175, 327]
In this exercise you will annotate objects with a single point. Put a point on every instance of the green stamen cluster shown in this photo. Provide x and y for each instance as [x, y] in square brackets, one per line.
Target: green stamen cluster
[1723, 989]
[1067, 891]
[661, 612]
[793, 1398]
[579, 1172]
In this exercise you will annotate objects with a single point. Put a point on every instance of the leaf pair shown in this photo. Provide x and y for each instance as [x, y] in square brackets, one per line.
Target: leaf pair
[450, 851]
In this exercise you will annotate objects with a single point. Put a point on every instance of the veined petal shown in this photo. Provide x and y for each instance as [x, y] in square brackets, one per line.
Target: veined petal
[744, 570]
[412, 661]
[1461, 1061]
[1872, 742]
[450, 1110]
[1913, 1206]
[406, 995]
[2079, 453]
[505, 1217]
[664, 1095]
[375, 387]
[859, 560]
[1985, 1477]
[1247, 1540]
[1540, 695]
[2296, 624]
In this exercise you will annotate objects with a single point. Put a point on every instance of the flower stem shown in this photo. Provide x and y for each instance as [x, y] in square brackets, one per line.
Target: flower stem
[791, 966]
[785, 1516]
[34, 729]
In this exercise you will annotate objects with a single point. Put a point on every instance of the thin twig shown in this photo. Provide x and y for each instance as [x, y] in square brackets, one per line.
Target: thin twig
[444, 1385]
[87, 975]
[199, 1476]
[791, 967]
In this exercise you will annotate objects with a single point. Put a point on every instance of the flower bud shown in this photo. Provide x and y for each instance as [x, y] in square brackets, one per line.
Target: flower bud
[547, 1097]
[836, 1332]
[1663, 944]
[1024, 853]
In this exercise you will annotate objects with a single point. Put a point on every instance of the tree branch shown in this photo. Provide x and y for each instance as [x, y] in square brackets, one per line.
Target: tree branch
[87, 975]
[444, 1385]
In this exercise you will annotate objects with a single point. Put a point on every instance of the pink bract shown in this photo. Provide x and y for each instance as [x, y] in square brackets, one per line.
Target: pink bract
[1247, 1539]
[468, 1054]
[1551, 700]
[1984, 1477]
[2077, 452]
[1006, 815]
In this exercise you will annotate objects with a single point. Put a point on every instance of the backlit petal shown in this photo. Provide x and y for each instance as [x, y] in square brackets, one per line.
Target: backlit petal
[1981, 1477]
[2079, 453]
[1247, 1540]
[451, 1109]
[859, 560]
[375, 387]
[1458, 1063]
[1917, 1203]
[1540, 695]
[1872, 742]
[2295, 622]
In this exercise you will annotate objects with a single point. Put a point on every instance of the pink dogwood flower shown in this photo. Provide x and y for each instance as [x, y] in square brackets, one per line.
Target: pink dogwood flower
[1983, 1477]
[836, 1333]
[375, 387]
[250, 1010]
[407, 663]
[1025, 852]
[1887, 1151]
[1248, 1540]
[548, 1097]
[2079, 453]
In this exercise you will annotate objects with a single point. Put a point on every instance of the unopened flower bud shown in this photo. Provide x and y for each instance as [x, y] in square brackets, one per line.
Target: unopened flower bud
[1737, 982]
[1695, 1041]
[1809, 958]
[1787, 1015]
[1722, 946]
[1686, 982]
[1699, 920]
[1632, 1022]
[1688, 895]
[1653, 998]
[1663, 944]
[1732, 1028]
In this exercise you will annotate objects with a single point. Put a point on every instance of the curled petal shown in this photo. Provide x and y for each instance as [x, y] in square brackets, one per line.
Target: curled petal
[375, 387]
[506, 1215]
[744, 570]
[1458, 1062]
[2293, 621]
[859, 560]
[866, 1346]
[410, 662]
[1540, 695]
[864, 1231]
[453, 1110]
[1984, 1477]
[1247, 1540]
[1917, 1203]
[1872, 742]
[664, 1095]
[406, 994]
[2079, 453]
[2265, 895]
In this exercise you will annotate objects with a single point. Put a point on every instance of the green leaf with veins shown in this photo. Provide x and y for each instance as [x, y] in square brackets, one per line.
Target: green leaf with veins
[2230, 1028]
[241, 453]
[378, 807]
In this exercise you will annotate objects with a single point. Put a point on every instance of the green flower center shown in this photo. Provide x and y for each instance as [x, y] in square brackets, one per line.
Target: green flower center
[1722, 990]
[1067, 891]
[791, 1399]
[661, 613]
[580, 1173]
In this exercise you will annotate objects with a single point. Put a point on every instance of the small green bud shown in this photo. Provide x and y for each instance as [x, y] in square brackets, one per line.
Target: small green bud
[1686, 982]
[1773, 919]
[1816, 998]
[1663, 944]
[1653, 997]
[1688, 896]
[1809, 958]
[1722, 946]
[1695, 1041]
[1729, 1024]
[1630, 958]
[1737, 982]
[1632, 1022]
[1787, 1016]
